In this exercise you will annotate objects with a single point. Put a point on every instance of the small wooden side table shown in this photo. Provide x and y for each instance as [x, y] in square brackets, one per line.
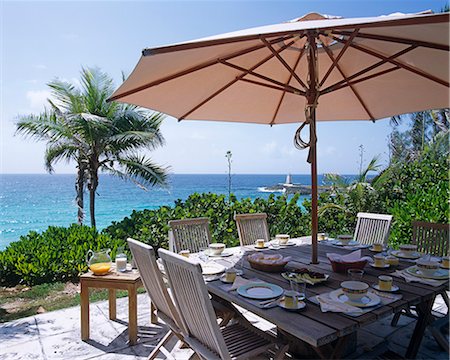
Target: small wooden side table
[113, 281]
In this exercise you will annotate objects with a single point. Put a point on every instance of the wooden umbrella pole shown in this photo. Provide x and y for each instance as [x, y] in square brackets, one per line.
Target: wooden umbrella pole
[312, 157]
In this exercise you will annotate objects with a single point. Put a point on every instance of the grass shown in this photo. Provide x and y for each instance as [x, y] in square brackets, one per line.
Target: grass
[22, 301]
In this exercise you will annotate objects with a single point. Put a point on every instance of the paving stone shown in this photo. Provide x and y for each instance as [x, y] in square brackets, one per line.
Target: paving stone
[19, 331]
[383, 327]
[31, 350]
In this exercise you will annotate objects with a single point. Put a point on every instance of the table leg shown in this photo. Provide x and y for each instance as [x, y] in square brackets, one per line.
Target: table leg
[84, 301]
[424, 312]
[132, 314]
[112, 304]
[153, 317]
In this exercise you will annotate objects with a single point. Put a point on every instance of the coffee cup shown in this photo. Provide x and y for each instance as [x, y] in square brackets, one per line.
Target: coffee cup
[260, 243]
[290, 299]
[426, 267]
[408, 249]
[377, 247]
[392, 260]
[445, 263]
[216, 248]
[185, 253]
[322, 236]
[354, 290]
[230, 275]
[282, 238]
[385, 283]
[378, 260]
[345, 239]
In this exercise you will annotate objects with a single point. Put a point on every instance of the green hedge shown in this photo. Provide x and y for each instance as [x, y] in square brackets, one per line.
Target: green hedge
[57, 254]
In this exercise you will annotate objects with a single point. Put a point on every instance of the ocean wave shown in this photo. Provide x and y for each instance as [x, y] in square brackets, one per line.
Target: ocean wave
[264, 189]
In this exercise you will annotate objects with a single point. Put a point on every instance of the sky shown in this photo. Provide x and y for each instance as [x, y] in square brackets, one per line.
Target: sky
[41, 41]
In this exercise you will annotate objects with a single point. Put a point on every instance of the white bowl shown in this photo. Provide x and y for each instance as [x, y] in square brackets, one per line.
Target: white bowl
[354, 290]
[282, 238]
[345, 239]
[408, 249]
[216, 248]
[427, 268]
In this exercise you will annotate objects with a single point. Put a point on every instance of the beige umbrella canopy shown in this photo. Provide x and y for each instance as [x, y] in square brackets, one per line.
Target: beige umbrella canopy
[315, 68]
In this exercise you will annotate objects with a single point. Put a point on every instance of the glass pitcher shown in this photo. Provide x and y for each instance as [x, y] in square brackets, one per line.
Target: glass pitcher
[99, 262]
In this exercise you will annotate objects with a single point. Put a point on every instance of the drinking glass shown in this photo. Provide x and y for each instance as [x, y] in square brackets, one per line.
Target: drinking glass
[355, 274]
[239, 265]
[299, 288]
[275, 244]
[203, 254]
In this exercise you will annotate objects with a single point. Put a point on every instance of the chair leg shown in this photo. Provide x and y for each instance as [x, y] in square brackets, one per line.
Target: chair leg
[161, 344]
[281, 354]
[396, 318]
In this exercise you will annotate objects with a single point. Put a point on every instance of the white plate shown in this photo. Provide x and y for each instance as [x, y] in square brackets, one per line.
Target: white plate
[394, 288]
[300, 305]
[260, 291]
[385, 266]
[212, 268]
[350, 243]
[440, 274]
[402, 255]
[370, 299]
[224, 253]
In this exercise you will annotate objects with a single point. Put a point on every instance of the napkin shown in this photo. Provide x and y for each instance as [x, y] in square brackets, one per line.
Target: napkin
[240, 281]
[411, 278]
[348, 258]
[326, 304]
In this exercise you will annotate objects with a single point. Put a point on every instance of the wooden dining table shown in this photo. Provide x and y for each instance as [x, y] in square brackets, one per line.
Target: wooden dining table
[328, 334]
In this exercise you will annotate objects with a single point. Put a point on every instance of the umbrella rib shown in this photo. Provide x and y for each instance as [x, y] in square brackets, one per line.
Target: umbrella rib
[196, 68]
[341, 53]
[398, 63]
[263, 77]
[396, 40]
[363, 71]
[270, 86]
[284, 92]
[237, 78]
[284, 63]
[330, 55]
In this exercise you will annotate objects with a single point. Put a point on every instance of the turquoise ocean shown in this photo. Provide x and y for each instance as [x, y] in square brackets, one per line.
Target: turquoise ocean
[33, 202]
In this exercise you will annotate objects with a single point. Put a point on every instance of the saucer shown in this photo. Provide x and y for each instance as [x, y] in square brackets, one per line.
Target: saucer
[439, 274]
[394, 288]
[222, 254]
[300, 305]
[385, 266]
[261, 247]
[350, 243]
[370, 299]
[377, 251]
[402, 255]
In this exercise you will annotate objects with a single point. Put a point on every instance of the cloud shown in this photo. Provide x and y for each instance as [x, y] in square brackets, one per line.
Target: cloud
[40, 66]
[269, 148]
[37, 99]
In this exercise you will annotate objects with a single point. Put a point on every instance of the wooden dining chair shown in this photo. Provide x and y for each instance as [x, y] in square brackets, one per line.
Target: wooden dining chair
[189, 234]
[252, 227]
[372, 228]
[151, 277]
[237, 340]
[433, 239]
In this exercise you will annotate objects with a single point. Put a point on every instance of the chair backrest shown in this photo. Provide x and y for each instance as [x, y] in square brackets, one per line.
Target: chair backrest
[151, 277]
[193, 302]
[372, 228]
[189, 234]
[252, 227]
[431, 238]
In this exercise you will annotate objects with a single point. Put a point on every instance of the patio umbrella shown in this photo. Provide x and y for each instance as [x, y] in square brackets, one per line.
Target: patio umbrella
[314, 68]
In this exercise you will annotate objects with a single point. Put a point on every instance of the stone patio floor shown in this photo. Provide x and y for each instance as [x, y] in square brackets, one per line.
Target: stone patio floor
[56, 335]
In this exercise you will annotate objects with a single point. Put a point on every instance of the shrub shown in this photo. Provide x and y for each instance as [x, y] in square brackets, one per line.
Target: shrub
[57, 254]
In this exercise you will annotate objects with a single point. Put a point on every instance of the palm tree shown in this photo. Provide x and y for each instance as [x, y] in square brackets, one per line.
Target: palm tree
[98, 135]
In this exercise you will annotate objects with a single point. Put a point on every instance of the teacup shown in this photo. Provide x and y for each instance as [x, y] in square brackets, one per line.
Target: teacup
[216, 248]
[378, 260]
[185, 253]
[408, 249]
[260, 243]
[377, 247]
[385, 283]
[290, 299]
[322, 236]
[391, 260]
[426, 267]
[230, 275]
[345, 239]
[282, 238]
[445, 263]
[354, 290]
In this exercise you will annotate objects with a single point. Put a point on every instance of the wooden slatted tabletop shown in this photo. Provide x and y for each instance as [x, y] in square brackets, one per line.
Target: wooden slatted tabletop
[312, 325]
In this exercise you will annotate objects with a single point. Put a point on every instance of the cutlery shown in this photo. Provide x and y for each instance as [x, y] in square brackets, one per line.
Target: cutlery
[267, 302]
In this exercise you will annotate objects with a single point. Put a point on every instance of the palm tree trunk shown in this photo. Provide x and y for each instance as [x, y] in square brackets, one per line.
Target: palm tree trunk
[93, 184]
[79, 188]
